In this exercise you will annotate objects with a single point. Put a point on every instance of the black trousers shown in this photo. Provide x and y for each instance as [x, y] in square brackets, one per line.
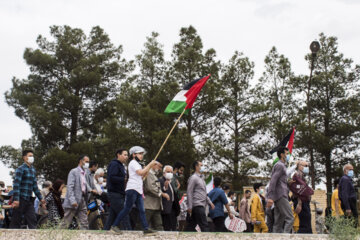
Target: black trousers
[198, 217]
[304, 217]
[169, 221]
[352, 203]
[219, 223]
[26, 209]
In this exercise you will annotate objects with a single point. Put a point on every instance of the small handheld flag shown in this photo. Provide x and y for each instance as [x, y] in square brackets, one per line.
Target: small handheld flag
[288, 142]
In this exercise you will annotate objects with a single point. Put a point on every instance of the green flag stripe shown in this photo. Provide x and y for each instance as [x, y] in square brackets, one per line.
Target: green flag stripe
[176, 107]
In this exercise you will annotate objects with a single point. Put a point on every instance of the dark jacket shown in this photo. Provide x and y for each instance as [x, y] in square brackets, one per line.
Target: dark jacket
[116, 174]
[173, 204]
[346, 191]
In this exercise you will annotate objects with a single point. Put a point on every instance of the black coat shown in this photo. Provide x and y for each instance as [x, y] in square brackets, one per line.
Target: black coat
[173, 204]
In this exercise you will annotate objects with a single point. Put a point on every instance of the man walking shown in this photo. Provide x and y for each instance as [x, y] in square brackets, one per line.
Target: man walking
[116, 175]
[244, 211]
[169, 216]
[178, 171]
[134, 190]
[301, 197]
[153, 199]
[257, 210]
[24, 185]
[278, 193]
[218, 197]
[336, 210]
[75, 203]
[347, 193]
[197, 199]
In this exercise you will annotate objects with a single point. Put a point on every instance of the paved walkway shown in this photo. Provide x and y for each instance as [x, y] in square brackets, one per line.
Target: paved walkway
[103, 235]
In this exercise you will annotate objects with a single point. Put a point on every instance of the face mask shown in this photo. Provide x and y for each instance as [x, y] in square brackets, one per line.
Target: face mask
[350, 173]
[306, 170]
[261, 191]
[168, 176]
[86, 165]
[234, 199]
[104, 184]
[31, 160]
[202, 169]
[287, 158]
[100, 180]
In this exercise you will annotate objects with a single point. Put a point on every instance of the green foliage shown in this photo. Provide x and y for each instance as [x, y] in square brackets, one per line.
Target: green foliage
[342, 228]
[82, 97]
[70, 91]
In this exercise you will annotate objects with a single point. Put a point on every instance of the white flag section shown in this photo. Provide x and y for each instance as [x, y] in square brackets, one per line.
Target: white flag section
[235, 224]
[209, 183]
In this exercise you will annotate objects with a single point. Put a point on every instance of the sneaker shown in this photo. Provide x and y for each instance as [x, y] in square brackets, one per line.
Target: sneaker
[149, 232]
[115, 229]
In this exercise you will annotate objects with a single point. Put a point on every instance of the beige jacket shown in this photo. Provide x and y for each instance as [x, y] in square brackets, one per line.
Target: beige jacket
[152, 192]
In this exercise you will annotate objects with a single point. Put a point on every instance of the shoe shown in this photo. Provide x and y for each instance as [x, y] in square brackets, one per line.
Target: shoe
[115, 229]
[149, 232]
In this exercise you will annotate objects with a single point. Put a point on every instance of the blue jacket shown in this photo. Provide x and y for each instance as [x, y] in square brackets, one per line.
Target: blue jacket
[218, 198]
[346, 191]
[116, 174]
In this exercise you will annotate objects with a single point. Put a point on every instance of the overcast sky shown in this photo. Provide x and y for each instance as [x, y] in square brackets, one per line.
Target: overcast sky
[249, 26]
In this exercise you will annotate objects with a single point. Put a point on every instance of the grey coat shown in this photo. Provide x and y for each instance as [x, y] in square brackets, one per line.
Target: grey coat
[74, 192]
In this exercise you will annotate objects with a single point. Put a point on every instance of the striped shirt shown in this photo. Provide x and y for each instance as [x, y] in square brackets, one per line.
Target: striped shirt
[25, 183]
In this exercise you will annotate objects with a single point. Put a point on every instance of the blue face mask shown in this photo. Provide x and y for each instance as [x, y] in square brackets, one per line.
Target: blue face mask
[287, 158]
[350, 173]
[306, 170]
[202, 169]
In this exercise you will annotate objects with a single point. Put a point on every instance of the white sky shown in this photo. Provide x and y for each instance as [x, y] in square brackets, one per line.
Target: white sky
[250, 26]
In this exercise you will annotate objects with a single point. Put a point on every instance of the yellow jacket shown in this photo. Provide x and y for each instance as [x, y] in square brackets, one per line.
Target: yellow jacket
[257, 209]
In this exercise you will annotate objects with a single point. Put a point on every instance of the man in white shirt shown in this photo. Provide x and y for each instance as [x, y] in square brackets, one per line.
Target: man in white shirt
[134, 190]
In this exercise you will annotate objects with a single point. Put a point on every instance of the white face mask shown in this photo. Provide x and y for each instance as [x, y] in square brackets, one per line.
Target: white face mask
[104, 184]
[168, 176]
[100, 180]
[86, 166]
[31, 160]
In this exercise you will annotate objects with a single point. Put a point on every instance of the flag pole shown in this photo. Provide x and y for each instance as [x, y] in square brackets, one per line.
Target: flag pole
[172, 129]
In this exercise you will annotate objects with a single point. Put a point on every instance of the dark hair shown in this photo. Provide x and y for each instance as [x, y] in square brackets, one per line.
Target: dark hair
[82, 157]
[281, 150]
[217, 181]
[226, 187]
[257, 186]
[57, 184]
[247, 191]
[179, 165]
[25, 152]
[195, 164]
[120, 151]
[336, 182]
[230, 193]
[46, 184]
[92, 163]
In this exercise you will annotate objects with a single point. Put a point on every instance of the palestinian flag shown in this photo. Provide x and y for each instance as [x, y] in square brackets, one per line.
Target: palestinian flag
[209, 183]
[186, 97]
[288, 142]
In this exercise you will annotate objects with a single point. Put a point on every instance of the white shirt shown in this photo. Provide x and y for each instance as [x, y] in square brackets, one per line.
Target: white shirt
[135, 181]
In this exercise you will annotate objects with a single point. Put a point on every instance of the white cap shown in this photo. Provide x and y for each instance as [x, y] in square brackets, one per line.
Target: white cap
[137, 149]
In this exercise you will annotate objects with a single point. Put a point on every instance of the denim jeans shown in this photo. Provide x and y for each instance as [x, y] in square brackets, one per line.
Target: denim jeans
[117, 201]
[132, 197]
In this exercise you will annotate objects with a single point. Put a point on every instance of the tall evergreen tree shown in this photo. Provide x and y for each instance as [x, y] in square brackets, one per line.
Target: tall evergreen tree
[335, 109]
[230, 143]
[71, 89]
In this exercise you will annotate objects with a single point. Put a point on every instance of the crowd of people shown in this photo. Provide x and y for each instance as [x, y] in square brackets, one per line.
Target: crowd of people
[135, 196]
